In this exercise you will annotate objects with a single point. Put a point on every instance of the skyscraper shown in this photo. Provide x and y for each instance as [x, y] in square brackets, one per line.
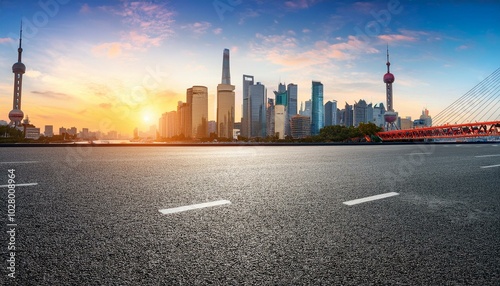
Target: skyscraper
[248, 80]
[197, 99]
[317, 107]
[300, 126]
[331, 113]
[307, 111]
[359, 112]
[16, 115]
[292, 91]
[270, 117]
[225, 101]
[348, 115]
[258, 102]
[279, 121]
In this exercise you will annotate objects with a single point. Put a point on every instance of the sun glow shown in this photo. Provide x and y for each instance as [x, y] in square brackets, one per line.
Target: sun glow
[147, 118]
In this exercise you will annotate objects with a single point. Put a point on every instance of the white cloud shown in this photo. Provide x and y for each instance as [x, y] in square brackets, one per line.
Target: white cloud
[198, 27]
[147, 25]
[6, 40]
[217, 31]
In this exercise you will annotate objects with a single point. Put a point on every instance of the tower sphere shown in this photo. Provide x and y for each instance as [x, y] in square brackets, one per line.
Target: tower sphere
[388, 78]
[390, 116]
[19, 68]
[16, 115]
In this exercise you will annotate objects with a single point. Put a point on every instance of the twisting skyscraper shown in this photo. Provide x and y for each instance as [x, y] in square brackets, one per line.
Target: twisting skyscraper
[16, 115]
[225, 101]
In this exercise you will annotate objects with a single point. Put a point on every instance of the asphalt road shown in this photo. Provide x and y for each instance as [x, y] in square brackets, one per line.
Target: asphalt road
[91, 216]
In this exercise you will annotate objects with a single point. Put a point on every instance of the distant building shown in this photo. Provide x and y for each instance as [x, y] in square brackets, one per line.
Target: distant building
[287, 96]
[292, 91]
[307, 111]
[29, 130]
[301, 126]
[248, 80]
[48, 131]
[85, 133]
[331, 113]
[317, 107]
[197, 101]
[270, 117]
[225, 101]
[360, 112]
[183, 119]
[279, 121]
[72, 131]
[62, 131]
[348, 115]
[257, 112]
[212, 127]
[426, 118]
[406, 123]
[378, 115]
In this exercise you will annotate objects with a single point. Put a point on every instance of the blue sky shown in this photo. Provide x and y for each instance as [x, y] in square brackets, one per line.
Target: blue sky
[120, 64]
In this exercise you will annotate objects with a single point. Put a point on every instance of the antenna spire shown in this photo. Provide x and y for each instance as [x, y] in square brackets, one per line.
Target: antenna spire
[20, 50]
[388, 63]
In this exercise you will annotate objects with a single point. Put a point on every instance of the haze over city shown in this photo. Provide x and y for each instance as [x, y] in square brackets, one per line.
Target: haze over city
[120, 64]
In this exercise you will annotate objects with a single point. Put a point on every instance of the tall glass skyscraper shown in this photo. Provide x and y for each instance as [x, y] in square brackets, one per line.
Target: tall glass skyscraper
[248, 80]
[317, 107]
[258, 102]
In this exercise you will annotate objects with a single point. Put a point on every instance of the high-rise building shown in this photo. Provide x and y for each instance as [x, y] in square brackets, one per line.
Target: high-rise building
[183, 119]
[248, 80]
[225, 101]
[212, 127]
[307, 111]
[292, 91]
[359, 112]
[369, 113]
[348, 115]
[162, 125]
[301, 126]
[258, 102]
[270, 117]
[49, 131]
[331, 113]
[378, 114]
[16, 115]
[197, 99]
[317, 107]
[279, 121]
[172, 126]
[85, 133]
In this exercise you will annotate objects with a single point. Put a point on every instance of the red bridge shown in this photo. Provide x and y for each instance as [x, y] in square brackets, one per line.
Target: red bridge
[467, 130]
[479, 107]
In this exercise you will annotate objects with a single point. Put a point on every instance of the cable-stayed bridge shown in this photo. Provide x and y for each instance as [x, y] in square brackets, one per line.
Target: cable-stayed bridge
[475, 114]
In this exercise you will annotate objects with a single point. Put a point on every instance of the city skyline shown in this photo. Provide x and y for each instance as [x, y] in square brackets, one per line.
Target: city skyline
[144, 57]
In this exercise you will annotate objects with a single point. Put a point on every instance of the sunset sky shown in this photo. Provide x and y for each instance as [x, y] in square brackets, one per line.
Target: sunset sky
[117, 65]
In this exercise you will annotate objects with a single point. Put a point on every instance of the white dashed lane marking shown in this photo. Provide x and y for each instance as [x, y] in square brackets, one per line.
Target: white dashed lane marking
[193, 207]
[372, 198]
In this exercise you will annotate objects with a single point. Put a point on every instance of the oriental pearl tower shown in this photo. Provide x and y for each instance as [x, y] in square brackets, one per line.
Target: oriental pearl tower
[16, 115]
[390, 116]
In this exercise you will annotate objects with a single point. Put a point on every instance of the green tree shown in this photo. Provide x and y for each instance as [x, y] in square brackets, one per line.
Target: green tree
[369, 128]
